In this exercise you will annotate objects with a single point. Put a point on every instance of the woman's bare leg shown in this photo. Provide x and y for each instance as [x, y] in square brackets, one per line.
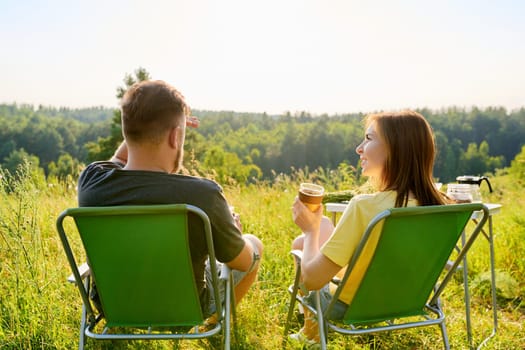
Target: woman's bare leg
[310, 327]
[325, 230]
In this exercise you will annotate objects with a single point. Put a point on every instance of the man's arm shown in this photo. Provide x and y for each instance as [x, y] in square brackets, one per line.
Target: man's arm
[121, 154]
[244, 260]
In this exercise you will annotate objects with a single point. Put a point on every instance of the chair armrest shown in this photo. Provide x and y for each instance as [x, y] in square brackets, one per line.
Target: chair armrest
[83, 270]
[298, 254]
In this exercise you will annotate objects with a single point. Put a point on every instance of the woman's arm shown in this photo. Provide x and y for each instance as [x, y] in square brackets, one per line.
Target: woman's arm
[316, 269]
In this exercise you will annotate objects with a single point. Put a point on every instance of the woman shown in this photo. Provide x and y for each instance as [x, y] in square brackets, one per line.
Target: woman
[397, 155]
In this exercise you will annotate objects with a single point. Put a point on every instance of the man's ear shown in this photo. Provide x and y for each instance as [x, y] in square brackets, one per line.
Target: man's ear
[174, 136]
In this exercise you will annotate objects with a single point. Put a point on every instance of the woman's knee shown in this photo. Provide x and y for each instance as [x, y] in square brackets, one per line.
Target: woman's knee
[298, 242]
[326, 229]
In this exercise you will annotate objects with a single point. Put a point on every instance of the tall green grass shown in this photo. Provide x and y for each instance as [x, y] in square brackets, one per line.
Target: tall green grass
[39, 310]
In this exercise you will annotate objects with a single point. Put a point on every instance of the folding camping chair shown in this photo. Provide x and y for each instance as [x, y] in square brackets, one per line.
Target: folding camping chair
[401, 286]
[140, 263]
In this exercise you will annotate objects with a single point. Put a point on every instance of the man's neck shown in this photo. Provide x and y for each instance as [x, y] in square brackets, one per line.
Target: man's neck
[147, 161]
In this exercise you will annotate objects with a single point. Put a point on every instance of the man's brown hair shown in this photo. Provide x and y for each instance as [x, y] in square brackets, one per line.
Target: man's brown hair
[149, 109]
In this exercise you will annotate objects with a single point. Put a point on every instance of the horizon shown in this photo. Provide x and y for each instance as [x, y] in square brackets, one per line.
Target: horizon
[466, 109]
[319, 57]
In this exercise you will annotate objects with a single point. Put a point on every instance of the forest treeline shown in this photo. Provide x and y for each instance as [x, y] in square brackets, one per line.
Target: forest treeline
[243, 147]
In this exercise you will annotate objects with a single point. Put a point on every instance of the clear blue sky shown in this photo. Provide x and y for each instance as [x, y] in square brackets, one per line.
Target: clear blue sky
[323, 56]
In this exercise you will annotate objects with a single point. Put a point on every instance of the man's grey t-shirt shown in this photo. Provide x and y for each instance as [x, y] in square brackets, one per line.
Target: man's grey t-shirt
[107, 184]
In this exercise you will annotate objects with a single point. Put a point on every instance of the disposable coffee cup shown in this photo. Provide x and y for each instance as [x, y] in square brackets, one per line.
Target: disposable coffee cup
[311, 195]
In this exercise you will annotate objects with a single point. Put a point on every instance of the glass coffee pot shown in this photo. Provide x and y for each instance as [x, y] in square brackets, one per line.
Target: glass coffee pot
[471, 184]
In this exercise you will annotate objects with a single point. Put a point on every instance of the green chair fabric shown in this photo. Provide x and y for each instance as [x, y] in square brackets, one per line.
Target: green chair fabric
[403, 277]
[139, 260]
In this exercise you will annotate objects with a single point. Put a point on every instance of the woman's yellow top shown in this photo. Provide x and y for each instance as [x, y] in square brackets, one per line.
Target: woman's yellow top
[349, 231]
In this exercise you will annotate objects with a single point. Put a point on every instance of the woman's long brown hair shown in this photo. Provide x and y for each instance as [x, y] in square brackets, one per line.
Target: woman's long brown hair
[410, 159]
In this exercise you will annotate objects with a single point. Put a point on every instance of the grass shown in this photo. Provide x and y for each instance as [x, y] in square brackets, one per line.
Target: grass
[39, 310]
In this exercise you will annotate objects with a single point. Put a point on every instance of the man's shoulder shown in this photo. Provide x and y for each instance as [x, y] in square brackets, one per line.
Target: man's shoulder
[99, 167]
[102, 165]
[196, 181]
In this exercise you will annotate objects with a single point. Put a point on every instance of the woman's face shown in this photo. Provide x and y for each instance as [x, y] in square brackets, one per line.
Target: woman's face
[372, 153]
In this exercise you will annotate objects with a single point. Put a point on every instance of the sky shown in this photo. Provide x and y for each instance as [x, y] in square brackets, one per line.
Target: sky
[274, 56]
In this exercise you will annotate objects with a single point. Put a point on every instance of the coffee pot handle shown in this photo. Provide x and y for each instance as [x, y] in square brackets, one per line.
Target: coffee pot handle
[487, 180]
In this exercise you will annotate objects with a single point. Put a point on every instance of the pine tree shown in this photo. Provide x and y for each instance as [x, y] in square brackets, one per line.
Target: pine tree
[105, 146]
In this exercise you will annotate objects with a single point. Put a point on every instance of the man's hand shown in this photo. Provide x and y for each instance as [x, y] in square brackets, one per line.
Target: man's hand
[192, 121]
[121, 154]
[237, 220]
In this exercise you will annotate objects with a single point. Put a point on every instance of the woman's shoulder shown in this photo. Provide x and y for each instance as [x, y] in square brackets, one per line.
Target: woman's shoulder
[377, 197]
[373, 202]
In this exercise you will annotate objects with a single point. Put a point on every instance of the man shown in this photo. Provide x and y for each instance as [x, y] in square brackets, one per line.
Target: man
[143, 171]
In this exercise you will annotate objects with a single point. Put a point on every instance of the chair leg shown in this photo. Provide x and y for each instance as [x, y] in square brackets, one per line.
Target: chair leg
[83, 317]
[82, 335]
[234, 312]
[293, 298]
[320, 321]
[444, 335]
[226, 330]
[229, 312]
[442, 325]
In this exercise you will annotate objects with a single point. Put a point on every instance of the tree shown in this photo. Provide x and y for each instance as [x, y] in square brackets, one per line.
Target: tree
[447, 164]
[106, 146]
[226, 166]
[65, 167]
[19, 161]
[517, 167]
[477, 161]
[7, 147]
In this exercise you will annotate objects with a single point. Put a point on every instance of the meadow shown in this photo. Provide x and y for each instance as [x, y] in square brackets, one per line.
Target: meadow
[40, 310]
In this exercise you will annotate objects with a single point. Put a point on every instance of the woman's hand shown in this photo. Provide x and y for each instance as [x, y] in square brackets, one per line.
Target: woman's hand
[316, 269]
[308, 221]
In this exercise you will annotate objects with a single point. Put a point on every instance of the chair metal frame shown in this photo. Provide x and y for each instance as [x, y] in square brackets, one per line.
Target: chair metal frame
[82, 276]
[431, 312]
